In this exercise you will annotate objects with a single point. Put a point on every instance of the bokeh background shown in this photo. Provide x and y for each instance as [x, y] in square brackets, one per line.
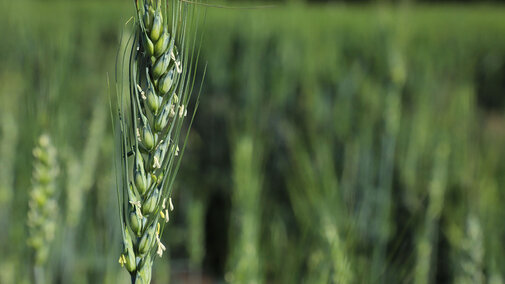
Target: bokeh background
[334, 143]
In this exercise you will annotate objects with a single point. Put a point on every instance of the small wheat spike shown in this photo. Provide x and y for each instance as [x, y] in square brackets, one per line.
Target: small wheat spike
[43, 206]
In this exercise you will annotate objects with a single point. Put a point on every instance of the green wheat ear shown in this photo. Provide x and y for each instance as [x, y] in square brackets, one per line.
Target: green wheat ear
[161, 65]
[43, 205]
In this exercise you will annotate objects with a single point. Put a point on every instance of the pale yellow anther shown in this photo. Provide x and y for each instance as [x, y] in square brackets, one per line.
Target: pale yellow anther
[162, 215]
[177, 63]
[171, 204]
[157, 163]
[164, 204]
[172, 111]
[138, 135]
[122, 260]
[161, 247]
[135, 203]
[137, 206]
[142, 93]
[181, 111]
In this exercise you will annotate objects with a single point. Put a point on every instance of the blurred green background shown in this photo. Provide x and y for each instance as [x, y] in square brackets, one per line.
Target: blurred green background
[333, 144]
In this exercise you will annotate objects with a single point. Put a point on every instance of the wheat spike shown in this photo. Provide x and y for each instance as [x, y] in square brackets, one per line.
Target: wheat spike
[43, 207]
[151, 120]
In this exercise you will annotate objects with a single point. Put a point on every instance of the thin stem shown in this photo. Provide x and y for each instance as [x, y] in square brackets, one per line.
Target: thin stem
[38, 273]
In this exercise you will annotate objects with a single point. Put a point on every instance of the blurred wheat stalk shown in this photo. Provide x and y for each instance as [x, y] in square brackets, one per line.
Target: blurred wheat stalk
[43, 205]
[245, 259]
[9, 94]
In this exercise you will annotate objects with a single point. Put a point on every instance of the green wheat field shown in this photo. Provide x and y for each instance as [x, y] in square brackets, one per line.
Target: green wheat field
[332, 144]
